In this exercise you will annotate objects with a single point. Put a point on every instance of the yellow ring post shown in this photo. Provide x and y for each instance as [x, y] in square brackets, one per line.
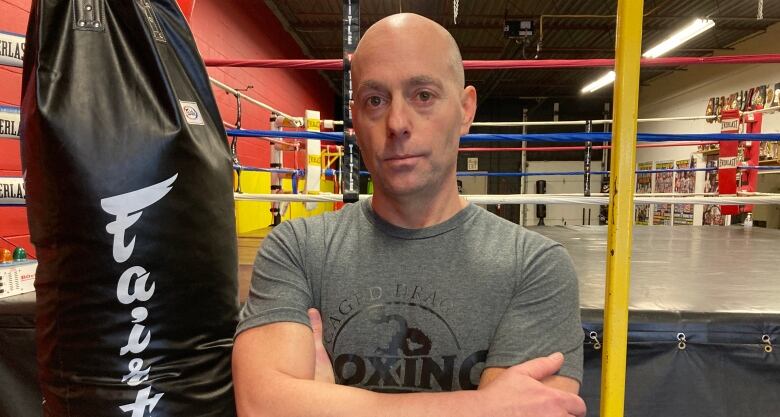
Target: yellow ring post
[628, 45]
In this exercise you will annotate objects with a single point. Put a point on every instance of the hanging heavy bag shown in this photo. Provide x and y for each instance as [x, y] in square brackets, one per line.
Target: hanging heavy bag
[131, 212]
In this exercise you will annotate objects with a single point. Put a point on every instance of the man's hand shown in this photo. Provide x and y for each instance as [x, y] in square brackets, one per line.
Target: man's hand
[519, 391]
[323, 369]
[562, 383]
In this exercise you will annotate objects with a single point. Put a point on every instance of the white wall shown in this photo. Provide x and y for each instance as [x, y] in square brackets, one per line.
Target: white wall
[563, 214]
[686, 93]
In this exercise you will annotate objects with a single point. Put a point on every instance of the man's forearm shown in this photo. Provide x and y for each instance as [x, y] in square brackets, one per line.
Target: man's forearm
[288, 396]
[275, 382]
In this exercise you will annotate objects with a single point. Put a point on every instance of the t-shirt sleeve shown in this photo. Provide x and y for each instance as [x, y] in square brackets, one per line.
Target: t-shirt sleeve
[543, 315]
[279, 291]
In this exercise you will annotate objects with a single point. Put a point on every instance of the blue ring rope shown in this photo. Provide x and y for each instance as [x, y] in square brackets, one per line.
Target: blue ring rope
[271, 170]
[531, 137]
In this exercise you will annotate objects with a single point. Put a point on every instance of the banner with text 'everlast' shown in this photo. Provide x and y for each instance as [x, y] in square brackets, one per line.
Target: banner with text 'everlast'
[12, 191]
[129, 194]
[9, 122]
[11, 49]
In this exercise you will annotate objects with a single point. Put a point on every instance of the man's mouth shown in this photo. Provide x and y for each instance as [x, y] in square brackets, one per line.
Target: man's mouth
[401, 157]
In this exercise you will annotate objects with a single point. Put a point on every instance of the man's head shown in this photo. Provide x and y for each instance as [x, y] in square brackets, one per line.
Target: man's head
[410, 105]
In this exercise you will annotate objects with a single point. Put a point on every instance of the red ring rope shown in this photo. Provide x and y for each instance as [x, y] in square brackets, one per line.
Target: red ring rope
[580, 148]
[336, 64]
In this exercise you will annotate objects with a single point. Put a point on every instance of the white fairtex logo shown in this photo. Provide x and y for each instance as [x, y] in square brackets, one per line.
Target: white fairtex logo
[128, 209]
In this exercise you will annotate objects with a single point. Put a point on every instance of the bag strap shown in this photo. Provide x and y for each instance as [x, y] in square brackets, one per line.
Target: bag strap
[151, 20]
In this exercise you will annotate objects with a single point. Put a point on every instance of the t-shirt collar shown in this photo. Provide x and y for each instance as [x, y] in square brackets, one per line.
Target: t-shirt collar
[426, 232]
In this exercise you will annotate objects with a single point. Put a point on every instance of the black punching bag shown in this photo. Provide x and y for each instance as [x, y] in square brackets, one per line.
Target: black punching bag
[131, 210]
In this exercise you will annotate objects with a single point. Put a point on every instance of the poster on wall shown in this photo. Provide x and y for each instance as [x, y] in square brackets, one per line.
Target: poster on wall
[664, 183]
[684, 183]
[712, 214]
[9, 122]
[11, 49]
[644, 185]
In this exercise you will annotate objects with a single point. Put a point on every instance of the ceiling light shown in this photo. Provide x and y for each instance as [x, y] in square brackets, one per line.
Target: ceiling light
[601, 82]
[684, 35]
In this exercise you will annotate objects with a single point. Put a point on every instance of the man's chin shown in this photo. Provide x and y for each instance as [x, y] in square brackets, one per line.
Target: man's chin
[411, 189]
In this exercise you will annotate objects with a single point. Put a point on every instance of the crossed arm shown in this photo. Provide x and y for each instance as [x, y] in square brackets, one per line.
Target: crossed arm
[282, 369]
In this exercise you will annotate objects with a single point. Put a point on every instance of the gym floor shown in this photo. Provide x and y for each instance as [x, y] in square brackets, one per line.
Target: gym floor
[248, 243]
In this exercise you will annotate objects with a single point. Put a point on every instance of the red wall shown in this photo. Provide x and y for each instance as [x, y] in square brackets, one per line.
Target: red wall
[248, 29]
[227, 29]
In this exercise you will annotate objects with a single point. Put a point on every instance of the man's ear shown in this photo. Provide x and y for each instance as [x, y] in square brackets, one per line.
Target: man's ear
[469, 105]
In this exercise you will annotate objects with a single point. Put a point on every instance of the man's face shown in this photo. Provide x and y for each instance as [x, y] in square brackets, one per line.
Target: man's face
[408, 115]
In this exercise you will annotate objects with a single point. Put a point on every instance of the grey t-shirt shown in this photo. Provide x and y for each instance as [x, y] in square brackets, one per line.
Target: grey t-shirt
[408, 310]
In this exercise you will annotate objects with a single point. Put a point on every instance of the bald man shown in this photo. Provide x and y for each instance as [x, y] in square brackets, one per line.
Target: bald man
[430, 306]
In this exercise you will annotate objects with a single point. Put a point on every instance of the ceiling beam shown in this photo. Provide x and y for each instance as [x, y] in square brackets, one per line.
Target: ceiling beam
[331, 50]
[468, 17]
[555, 25]
[313, 29]
[304, 47]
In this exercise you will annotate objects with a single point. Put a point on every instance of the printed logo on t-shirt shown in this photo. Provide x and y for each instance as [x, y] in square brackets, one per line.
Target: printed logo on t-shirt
[397, 339]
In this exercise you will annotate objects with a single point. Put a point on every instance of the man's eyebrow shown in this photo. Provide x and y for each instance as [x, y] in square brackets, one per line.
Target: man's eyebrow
[416, 81]
[420, 80]
[370, 85]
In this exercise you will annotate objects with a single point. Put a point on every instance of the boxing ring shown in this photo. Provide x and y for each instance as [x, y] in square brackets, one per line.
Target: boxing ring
[703, 311]
[702, 315]
[695, 333]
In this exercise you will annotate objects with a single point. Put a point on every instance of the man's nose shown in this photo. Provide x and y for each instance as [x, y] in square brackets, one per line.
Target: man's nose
[398, 121]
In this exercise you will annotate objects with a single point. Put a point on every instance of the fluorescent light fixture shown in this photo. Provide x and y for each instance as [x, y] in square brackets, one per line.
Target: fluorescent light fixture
[678, 38]
[601, 82]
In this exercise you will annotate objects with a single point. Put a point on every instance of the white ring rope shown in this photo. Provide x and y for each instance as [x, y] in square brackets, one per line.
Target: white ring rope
[597, 199]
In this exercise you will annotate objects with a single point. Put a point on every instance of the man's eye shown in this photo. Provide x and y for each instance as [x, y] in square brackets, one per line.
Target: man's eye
[375, 101]
[425, 95]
